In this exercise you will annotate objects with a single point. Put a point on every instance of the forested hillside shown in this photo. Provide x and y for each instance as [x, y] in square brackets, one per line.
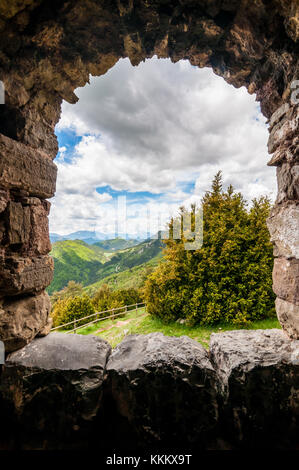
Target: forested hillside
[75, 260]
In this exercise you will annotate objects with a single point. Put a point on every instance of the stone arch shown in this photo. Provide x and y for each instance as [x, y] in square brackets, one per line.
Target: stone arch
[49, 48]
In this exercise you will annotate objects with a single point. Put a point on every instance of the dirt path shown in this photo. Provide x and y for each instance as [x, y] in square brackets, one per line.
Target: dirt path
[119, 323]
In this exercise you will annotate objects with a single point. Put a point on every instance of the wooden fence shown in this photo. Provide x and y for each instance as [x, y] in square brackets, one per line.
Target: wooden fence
[96, 317]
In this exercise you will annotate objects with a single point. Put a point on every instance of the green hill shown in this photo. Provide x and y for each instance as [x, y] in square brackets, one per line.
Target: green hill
[135, 256]
[75, 260]
[132, 277]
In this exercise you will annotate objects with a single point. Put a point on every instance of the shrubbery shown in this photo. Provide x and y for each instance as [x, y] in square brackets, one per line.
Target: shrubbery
[228, 280]
[106, 299]
[68, 308]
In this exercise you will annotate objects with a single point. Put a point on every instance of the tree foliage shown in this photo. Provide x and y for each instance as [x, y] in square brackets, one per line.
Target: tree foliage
[69, 309]
[228, 280]
[106, 299]
[73, 289]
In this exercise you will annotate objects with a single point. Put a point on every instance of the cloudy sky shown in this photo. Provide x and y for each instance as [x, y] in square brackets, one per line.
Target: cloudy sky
[154, 136]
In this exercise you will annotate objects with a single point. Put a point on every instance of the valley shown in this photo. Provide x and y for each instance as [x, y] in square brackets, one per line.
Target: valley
[117, 262]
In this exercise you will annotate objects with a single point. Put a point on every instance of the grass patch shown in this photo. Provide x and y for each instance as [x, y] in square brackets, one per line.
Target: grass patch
[141, 322]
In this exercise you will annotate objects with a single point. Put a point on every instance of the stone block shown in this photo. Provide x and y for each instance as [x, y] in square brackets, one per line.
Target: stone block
[283, 225]
[39, 241]
[23, 167]
[259, 377]
[285, 130]
[19, 275]
[278, 114]
[53, 389]
[287, 182]
[286, 279]
[288, 316]
[18, 223]
[28, 227]
[165, 388]
[288, 152]
[46, 329]
[21, 319]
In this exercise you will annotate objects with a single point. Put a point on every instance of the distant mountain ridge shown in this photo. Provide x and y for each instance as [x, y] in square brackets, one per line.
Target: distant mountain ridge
[88, 236]
[116, 244]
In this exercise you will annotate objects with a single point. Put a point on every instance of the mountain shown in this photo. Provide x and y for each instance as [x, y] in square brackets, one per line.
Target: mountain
[85, 235]
[75, 260]
[116, 244]
[89, 237]
[131, 257]
[55, 237]
[131, 277]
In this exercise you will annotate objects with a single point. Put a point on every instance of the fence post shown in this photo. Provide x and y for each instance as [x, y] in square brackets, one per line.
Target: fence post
[136, 307]
[113, 314]
[75, 324]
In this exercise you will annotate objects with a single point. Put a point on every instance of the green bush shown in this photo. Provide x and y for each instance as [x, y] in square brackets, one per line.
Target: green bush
[228, 280]
[67, 310]
[106, 299]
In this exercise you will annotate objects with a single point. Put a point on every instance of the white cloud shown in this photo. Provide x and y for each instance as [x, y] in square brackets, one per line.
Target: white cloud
[153, 128]
[94, 165]
[74, 211]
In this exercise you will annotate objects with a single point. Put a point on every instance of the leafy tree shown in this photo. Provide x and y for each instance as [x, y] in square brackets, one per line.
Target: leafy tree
[228, 280]
[147, 271]
[71, 290]
[106, 299]
[102, 299]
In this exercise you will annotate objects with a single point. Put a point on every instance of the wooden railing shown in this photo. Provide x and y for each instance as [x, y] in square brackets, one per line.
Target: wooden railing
[96, 318]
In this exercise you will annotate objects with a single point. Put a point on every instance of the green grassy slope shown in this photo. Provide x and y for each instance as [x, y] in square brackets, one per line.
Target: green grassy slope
[74, 260]
[141, 322]
[135, 256]
[77, 261]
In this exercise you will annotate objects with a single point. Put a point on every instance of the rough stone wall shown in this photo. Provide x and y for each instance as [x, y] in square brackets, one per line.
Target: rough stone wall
[283, 222]
[48, 48]
[27, 178]
[152, 391]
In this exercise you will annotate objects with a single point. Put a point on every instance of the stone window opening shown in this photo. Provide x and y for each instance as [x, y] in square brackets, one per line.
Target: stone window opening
[49, 51]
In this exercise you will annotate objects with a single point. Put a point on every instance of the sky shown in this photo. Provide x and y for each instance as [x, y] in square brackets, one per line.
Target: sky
[149, 139]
